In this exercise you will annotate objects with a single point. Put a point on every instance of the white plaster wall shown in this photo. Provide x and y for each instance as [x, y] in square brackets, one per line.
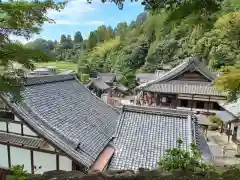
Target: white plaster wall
[46, 160]
[21, 156]
[65, 163]
[27, 131]
[3, 126]
[15, 128]
[3, 156]
[16, 118]
[48, 147]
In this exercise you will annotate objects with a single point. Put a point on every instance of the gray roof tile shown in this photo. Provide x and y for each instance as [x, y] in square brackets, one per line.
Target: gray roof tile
[226, 116]
[233, 107]
[21, 140]
[66, 113]
[100, 84]
[146, 77]
[183, 88]
[143, 136]
[166, 83]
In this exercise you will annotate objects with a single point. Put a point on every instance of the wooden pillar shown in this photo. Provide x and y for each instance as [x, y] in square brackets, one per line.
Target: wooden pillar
[229, 130]
[32, 162]
[208, 103]
[9, 156]
[221, 131]
[192, 103]
[57, 162]
[22, 130]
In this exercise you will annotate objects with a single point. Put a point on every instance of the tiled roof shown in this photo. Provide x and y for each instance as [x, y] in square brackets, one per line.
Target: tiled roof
[67, 114]
[146, 77]
[99, 83]
[107, 77]
[144, 135]
[187, 64]
[21, 140]
[233, 107]
[166, 83]
[226, 116]
[203, 146]
[120, 87]
[203, 120]
[183, 87]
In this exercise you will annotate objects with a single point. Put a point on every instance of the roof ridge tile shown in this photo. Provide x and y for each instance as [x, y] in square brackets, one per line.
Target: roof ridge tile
[48, 79]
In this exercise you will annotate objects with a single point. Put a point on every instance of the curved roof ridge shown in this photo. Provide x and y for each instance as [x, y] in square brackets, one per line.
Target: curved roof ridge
[188, 62]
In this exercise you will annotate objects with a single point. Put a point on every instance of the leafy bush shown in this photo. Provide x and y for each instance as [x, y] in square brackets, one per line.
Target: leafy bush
[184, 160]
[17, 173]
[215, 119]
[85, 78]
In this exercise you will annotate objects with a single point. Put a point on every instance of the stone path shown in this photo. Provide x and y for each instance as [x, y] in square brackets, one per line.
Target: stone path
[216, 143]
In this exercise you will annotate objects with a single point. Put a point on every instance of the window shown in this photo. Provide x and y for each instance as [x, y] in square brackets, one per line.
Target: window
[200, 105]
[184, 103]
[216, 106]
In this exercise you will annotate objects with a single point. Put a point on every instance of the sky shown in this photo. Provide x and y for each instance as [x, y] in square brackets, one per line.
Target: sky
[78, 15]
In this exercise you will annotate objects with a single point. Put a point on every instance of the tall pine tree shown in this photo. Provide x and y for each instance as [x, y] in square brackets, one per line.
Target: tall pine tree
[78, 37]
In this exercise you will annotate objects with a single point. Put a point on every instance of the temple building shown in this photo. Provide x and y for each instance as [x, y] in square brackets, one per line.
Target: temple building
[187, 86]
[60, 125]
[230, 116]
[107, 87]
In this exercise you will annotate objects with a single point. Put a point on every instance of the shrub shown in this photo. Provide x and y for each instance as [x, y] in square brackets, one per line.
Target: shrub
[215, 119]
[85, 78]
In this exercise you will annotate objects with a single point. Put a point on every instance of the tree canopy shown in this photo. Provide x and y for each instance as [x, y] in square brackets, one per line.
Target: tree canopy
[169, 31]
[20, 18]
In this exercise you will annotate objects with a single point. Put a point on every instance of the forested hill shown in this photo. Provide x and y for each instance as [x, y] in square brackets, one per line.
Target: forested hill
[150, 42]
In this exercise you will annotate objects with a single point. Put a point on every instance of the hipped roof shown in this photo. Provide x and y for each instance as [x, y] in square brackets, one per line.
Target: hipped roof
[67, 114]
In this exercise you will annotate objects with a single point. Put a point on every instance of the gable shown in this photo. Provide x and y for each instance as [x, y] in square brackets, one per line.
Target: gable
[192, 76]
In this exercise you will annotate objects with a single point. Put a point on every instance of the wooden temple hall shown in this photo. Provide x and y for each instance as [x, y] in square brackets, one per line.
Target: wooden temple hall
[187, 86]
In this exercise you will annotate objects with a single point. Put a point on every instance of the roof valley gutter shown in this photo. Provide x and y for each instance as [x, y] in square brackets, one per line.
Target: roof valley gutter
[190, 135]
[120, 123]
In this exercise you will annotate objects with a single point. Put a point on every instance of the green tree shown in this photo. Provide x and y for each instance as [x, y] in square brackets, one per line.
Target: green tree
[22, 19]
[229, 83]
[63, 39]
[185, 160]
[92, 40]
[110, 33]
[78, 37]
[102, 33]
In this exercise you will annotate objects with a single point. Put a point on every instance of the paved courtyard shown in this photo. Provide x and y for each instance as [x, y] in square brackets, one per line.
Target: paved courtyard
[216, 143]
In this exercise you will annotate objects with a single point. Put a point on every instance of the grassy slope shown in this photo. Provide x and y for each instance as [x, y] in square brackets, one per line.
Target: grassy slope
[59, 65]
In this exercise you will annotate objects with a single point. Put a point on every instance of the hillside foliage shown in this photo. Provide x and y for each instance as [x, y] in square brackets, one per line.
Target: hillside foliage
[154, 39]
[166, 33]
